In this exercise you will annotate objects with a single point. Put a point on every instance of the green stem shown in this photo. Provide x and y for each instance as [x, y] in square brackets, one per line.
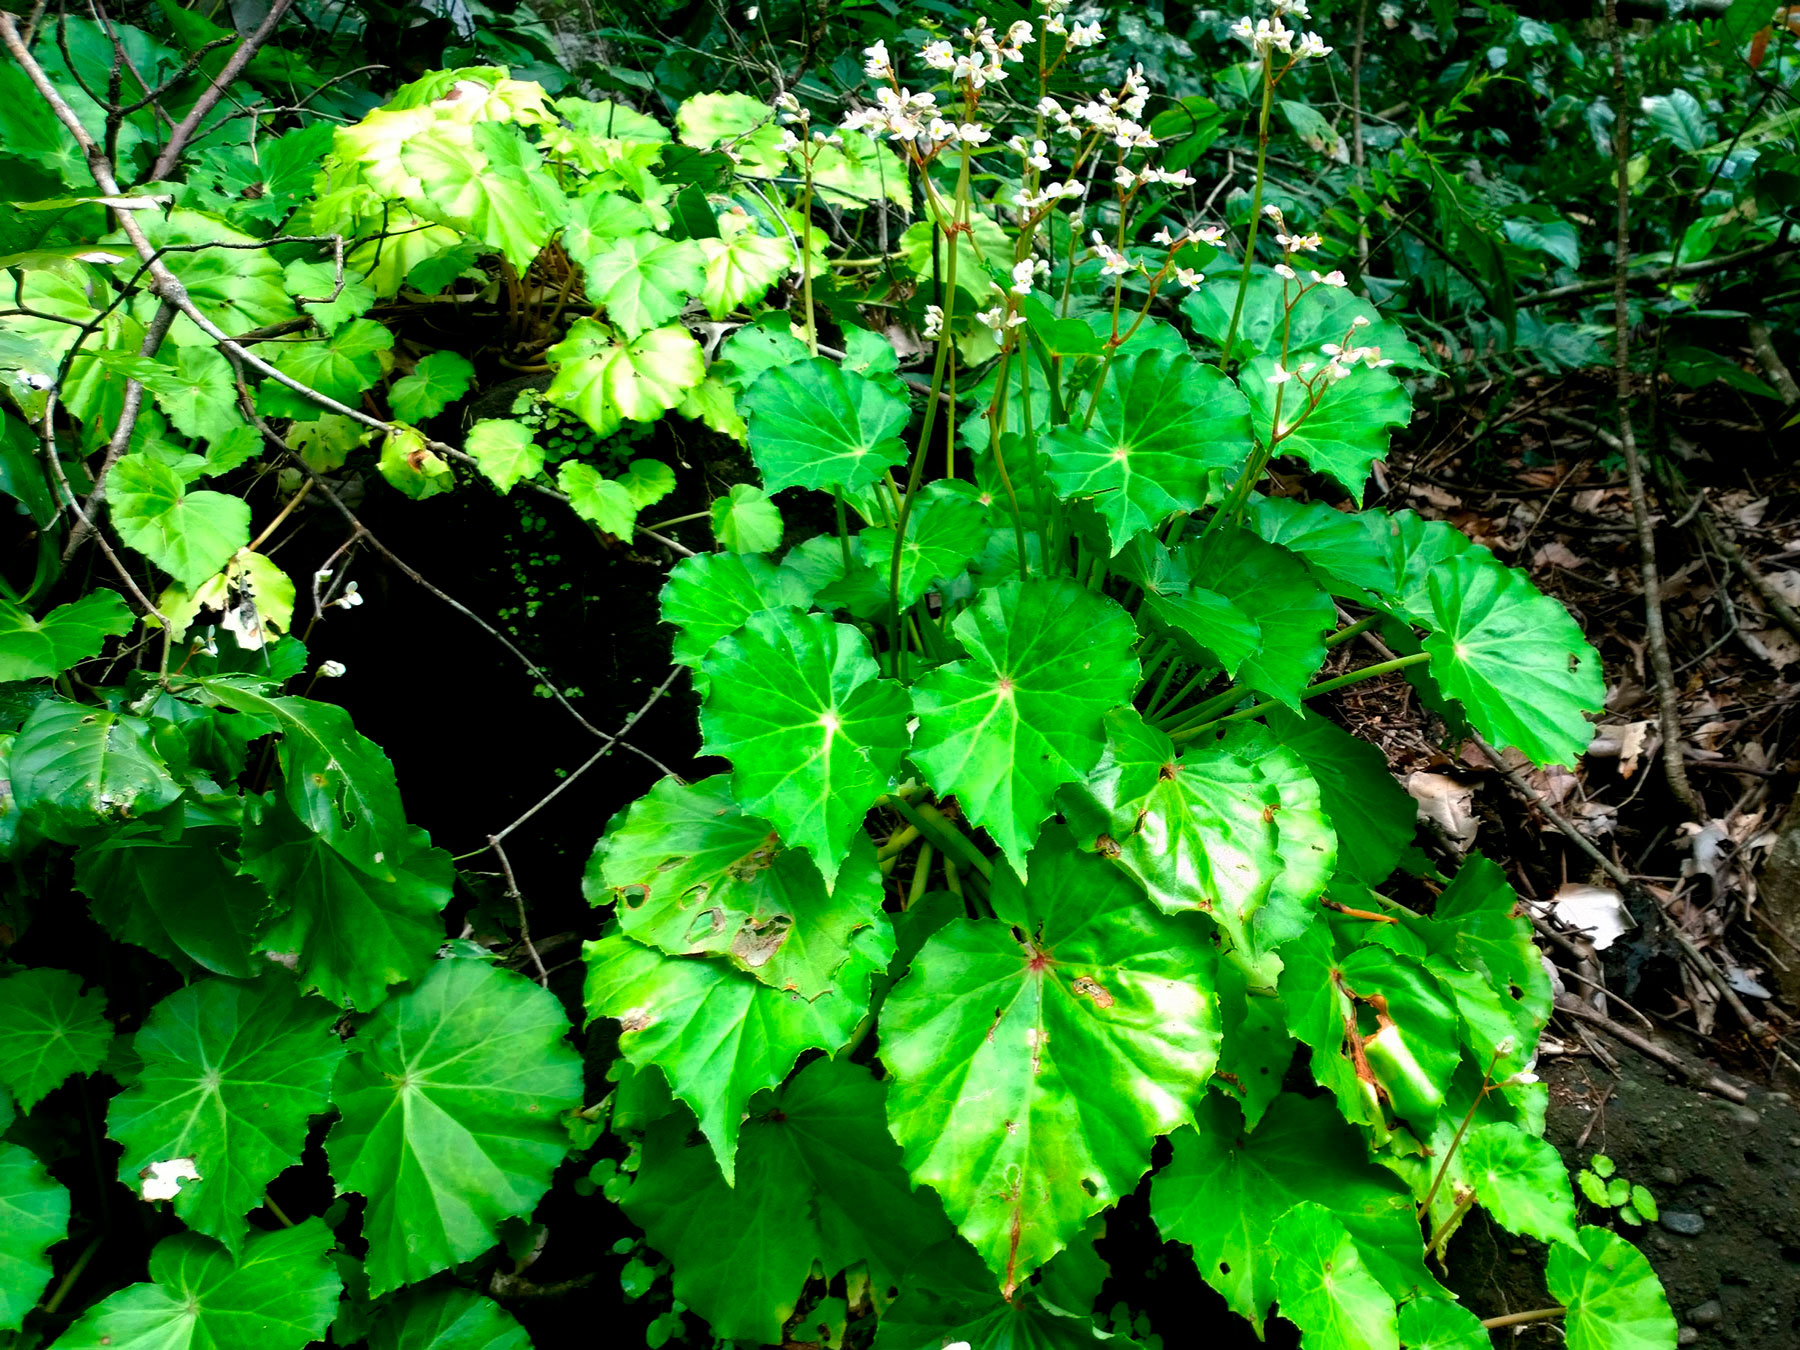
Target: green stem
[1517, 1319]
[1256, 202]
[1311, 691]
[677, 520]
[921, 874]
[916, 469]
[1199, 677]
[806, 294]
[67, 1282]
[1343, 635]
[1439, 1238]
[843, 531]
[933, 825]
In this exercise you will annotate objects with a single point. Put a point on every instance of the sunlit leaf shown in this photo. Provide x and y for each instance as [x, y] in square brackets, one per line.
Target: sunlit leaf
[1035, 1059]
[813, 424]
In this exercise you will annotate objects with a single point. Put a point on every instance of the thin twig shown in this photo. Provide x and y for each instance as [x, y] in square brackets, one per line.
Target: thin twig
[513, 894]
[1700, 1078]
[170, 158]
[1723, 263]
[1674, 762]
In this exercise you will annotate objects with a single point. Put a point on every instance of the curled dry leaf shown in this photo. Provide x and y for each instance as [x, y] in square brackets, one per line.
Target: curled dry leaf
[1598, 912]
[1446, 803]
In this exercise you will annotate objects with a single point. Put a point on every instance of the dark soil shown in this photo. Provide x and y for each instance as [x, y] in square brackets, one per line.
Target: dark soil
[1726, 1178]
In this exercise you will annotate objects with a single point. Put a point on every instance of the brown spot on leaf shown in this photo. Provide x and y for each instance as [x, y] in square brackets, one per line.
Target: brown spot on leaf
[1107, 847]
[636, 1019]
[1167, 773]
[1093, 989]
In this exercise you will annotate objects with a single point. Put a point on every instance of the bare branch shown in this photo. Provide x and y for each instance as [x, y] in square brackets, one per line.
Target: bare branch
[171, 154]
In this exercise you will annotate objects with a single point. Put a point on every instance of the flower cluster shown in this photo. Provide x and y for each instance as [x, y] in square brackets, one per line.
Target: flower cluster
[1273, 35]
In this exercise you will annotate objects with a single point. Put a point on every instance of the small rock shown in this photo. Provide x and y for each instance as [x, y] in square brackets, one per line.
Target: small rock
[1668, 1176]
[1708, 1314]
[1688, 1225]
[1746, 1117]
[1794, 1139]
[1686, 1336]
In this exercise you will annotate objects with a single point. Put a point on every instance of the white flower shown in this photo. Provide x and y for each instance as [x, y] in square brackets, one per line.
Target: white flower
[934, 321]
[1300, 243]
[1295, 7]
[1124, 177]
[788, 142]
[1164, 238]
[1330, 279]
[876, 64]
[1021, 33]
[350, 599]
[1283, 270]
[1280, 375]
[1310, 45]
[972, 133]
[938, 55]
[1085, 35]
[1188, 277]
[996, 318]
[1024, 273]
[331, 670]
[752, 14]
[162, 1180]
[1273, 212]
[1211, 234]
[1360, 321]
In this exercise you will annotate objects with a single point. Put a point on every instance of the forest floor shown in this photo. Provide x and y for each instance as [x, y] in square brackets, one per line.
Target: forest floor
[1687, 941]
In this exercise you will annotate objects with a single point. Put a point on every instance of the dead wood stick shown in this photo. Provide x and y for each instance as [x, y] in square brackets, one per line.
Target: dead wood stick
[1699, 1077]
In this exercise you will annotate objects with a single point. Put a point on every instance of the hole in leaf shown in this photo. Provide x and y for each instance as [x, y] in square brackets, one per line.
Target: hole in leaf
[1088, 1185]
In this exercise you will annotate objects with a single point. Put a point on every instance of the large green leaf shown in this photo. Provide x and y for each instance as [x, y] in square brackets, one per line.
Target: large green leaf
[484, 179]
[1022, 714]
[1208, 626]
[1034, 1059]
[814, 424]
[1514, 659]
[1161, 422]
[607, 382]
[1218, 828]
[710, 596]
[190, 535]
[279, 1294]
[1522, 1182]
[1273, 586]
[34, 1217]
[446, 1319]
[950, 1298]
[1433, 1324]
[818, 1179]
[1274, 318]
[746, 521]
[693, 873]
[32, 649]
[183, 899]
[1372, 817]
[350, 931]
[238, 287]
[814, 735]
[718, 1035]
[450, 1101]
[230, 1075]
[644, 279]
[1614, 1299]
[1344, 432]
[337, 782]
[340, 366]
[1227, 1187]
[946, 529]
[1326, 1289]
[77, 768]
[52, 1030]
[740, 267]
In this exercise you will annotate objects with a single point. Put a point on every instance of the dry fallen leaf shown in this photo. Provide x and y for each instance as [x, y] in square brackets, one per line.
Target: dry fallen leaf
[1597, 911]
[1557, 554]
[1446, 803]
